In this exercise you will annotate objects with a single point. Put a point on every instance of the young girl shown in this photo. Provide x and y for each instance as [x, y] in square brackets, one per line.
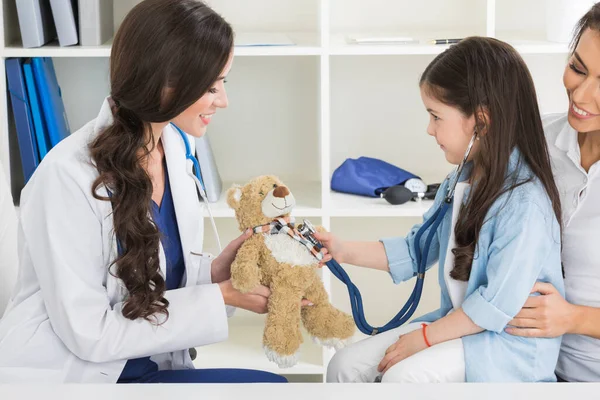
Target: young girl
[499, 237]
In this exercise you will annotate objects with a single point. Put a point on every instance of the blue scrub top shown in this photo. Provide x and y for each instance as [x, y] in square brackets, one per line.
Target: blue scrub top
[166, 221]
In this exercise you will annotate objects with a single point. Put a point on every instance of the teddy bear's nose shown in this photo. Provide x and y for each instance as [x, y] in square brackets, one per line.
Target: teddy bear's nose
[281, 191]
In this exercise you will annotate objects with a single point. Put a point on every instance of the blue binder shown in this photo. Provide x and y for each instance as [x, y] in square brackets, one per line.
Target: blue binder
[23, 119]
[39, 126]
[50, 96]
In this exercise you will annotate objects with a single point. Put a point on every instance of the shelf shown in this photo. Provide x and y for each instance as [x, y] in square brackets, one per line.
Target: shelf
[347, 205]
[54, 50]
[538, 47]
[531, 42]
[307, 195]
[244, 349]
[258, 51]
[339, 46]
[307, 44]
[308, 198]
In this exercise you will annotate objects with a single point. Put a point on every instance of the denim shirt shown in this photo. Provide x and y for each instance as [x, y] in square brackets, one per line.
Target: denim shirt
[519, 244]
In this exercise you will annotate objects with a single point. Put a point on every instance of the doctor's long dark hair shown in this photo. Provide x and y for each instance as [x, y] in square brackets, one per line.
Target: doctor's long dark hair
[480, 75]
[165, 56]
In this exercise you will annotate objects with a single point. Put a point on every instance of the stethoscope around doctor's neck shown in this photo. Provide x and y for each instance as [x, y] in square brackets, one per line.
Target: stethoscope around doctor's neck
[193, 169]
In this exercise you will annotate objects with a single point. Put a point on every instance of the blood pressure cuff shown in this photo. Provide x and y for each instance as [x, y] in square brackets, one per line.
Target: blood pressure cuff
[367, 176]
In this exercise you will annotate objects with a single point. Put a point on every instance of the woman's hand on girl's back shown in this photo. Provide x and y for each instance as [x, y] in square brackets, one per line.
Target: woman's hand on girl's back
[546, 315]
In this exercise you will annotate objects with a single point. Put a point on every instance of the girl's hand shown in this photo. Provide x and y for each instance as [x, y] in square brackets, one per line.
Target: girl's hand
[334, 246]
[547, 315]
[406, 346]
[326, 257]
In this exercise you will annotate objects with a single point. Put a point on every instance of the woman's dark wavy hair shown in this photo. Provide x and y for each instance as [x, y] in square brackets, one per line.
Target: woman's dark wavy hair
[480, 76]
[165, 56]
[591, 20]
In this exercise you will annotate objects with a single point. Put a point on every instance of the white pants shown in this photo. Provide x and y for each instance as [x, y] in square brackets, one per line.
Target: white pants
[358, 362]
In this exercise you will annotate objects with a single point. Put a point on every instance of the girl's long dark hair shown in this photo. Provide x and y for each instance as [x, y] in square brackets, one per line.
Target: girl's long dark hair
[484, 75]
[165, 56]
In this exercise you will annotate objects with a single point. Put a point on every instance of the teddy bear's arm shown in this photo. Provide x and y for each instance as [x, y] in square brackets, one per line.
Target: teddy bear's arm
[245, 273]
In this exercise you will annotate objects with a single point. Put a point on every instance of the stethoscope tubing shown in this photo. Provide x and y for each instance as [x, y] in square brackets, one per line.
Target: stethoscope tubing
[194, 168]
[412, 303]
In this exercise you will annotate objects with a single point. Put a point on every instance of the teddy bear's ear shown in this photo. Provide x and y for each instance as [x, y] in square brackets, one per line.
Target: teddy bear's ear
[234, 195]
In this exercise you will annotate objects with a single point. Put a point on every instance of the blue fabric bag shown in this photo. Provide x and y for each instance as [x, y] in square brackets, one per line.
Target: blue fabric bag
[367, 176]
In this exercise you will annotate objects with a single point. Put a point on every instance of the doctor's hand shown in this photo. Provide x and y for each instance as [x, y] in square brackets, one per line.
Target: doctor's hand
[547, 315]
[255, 301]
[220, 269]
[333, 245]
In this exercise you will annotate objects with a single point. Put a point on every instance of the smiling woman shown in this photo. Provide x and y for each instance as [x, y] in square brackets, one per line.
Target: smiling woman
[582, 79]
[574, 143]
[113, 284]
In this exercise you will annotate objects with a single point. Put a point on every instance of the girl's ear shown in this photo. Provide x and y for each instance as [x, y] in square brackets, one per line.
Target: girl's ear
[482, 121]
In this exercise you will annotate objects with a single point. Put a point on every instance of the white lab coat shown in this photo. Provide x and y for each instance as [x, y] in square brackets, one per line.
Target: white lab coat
[65, 322]
[9, 260]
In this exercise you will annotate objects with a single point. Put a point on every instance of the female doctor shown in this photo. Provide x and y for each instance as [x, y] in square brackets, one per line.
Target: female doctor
[113, 285]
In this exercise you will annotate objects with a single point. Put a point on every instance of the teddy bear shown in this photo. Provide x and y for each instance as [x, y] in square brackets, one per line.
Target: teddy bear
[276, 256]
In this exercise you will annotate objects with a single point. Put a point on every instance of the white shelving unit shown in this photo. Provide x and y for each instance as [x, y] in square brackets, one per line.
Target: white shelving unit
[323, 101]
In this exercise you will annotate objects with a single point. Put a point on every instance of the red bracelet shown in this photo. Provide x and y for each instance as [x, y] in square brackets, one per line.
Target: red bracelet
[425, 335]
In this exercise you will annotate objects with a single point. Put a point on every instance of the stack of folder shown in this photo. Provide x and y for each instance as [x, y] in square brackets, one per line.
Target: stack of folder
[38, 109]
[88, 22]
